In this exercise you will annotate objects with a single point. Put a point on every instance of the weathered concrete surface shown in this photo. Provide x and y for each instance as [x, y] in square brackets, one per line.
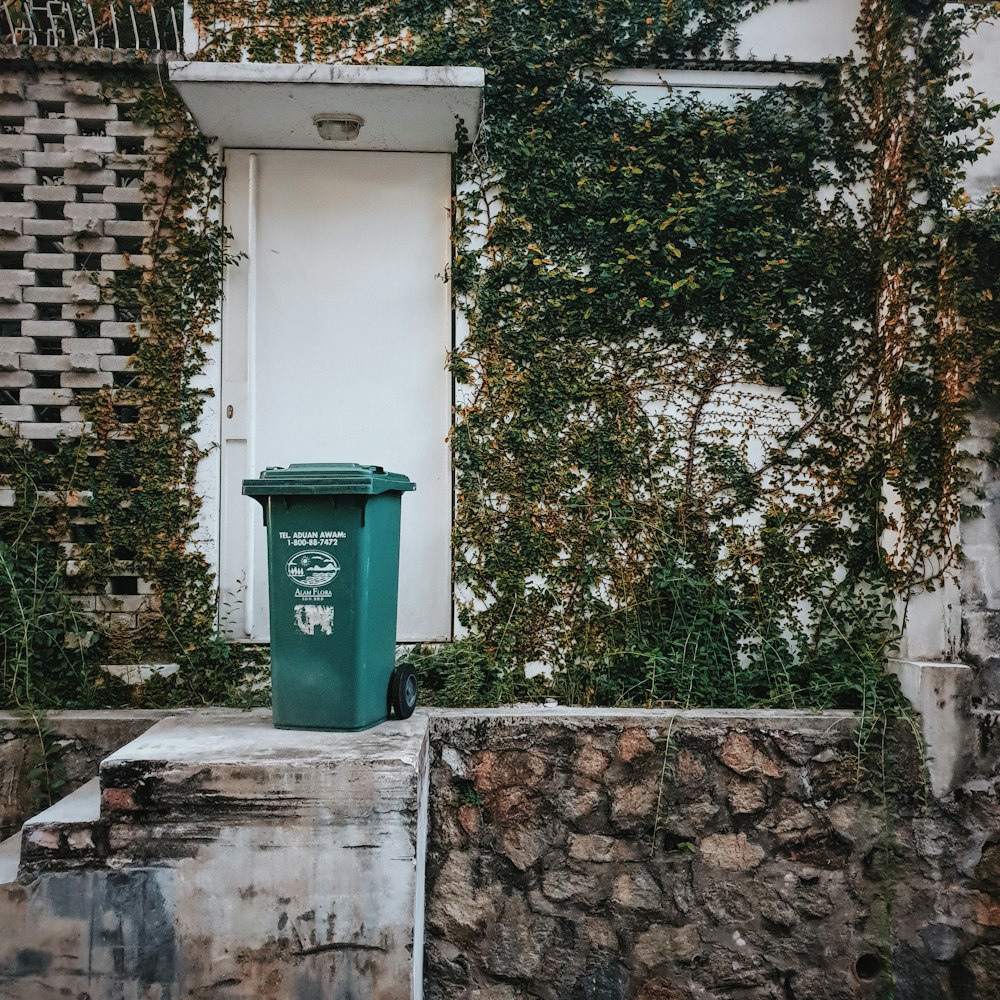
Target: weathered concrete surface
[82, 739]
[979, 571]
[231, 860]
[941, 693]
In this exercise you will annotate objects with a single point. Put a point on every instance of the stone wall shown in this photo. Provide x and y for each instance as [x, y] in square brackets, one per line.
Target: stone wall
[654, 856]
[72, 169]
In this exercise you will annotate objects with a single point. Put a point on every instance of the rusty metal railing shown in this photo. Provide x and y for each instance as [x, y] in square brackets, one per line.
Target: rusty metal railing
[102, 24]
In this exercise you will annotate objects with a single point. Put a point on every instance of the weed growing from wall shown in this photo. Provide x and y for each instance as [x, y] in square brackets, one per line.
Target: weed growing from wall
[47, 654]
[46, 767]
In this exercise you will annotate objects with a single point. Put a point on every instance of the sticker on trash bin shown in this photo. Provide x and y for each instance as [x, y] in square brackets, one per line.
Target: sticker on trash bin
[309, 617]
[312, 568]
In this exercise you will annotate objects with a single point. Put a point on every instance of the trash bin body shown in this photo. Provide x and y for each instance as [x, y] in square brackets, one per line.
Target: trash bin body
[333, 574]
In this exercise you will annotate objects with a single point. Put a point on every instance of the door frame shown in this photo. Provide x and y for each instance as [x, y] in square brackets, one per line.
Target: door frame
[236, 347]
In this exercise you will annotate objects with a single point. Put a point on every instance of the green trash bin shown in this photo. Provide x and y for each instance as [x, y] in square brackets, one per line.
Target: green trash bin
[333, 573]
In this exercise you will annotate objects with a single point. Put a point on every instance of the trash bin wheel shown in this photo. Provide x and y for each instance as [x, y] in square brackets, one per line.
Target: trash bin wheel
[403, 691]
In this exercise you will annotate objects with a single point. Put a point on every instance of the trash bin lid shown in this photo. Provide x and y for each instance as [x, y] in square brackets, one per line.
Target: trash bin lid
[327, 477]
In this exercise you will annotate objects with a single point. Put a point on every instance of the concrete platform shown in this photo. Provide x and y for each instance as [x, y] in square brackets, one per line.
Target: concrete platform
[240, 861]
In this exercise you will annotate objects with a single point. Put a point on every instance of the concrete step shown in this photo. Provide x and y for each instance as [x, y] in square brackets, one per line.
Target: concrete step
[238, 855]
[67, 834]
[10, 859]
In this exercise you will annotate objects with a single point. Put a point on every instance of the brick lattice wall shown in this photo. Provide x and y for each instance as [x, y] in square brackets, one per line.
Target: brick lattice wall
[72, 213]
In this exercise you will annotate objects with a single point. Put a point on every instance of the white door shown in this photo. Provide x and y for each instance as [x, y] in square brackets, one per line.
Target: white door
[336, 330]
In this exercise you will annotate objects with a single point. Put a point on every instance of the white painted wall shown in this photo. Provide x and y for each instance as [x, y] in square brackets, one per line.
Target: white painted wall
[984, 68]
[799, 30]
[206, 536]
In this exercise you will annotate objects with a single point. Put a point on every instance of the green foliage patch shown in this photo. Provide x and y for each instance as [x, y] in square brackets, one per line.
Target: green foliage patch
[720, 355]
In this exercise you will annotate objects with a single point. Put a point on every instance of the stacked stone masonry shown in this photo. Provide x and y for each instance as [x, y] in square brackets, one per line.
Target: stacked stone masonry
[74, 169]
[704, 856]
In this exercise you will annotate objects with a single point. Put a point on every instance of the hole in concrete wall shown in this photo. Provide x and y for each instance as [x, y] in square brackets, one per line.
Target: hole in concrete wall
[46, 380]
[122, 586]
[47, 414]
[9, 397]
[49, 279]
[81, 532]
[49, 310]
[127, 414]
[11, 261]
[10, 328]
[867, 967]
[11, 194]
[49, 210]
[48, 345]
[129, 213]
[129, 244]
[88, 329]
[130, 169]
[125, 347]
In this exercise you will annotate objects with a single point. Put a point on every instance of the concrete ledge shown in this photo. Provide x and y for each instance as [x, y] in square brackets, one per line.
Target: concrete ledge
[271, 106]
[940, 692]
[834, 721]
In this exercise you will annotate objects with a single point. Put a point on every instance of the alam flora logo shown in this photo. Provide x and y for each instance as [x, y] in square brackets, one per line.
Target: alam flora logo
[312, 568]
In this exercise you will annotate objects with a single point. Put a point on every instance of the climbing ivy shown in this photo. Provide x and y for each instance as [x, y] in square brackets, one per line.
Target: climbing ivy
[719, 361]
[144, 482]
[46, 642]
[132, 471]
[719, 357]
